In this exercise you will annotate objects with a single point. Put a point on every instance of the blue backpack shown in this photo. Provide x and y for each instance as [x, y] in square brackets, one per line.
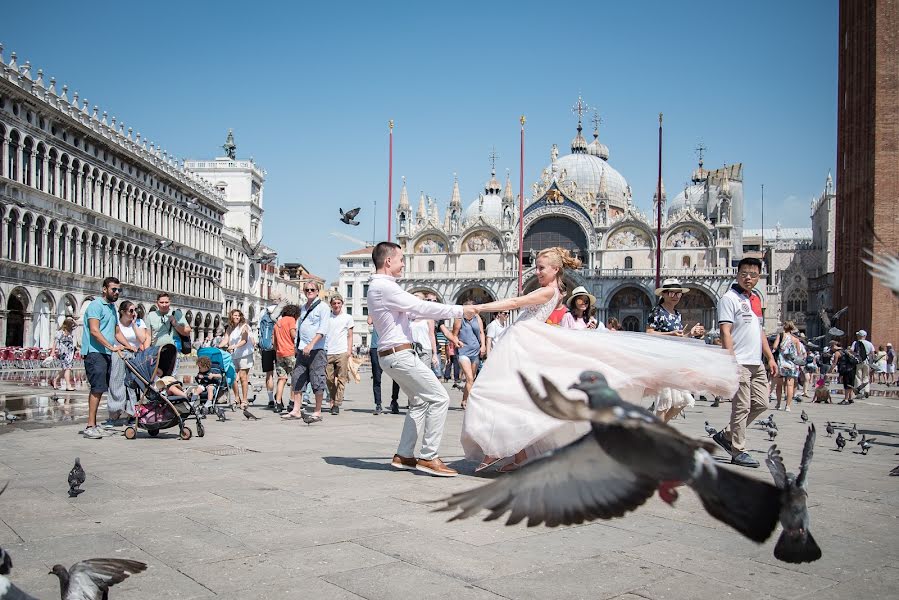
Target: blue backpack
[266, 332]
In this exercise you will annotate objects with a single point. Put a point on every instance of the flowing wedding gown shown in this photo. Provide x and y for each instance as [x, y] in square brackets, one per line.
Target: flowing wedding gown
[500, 418]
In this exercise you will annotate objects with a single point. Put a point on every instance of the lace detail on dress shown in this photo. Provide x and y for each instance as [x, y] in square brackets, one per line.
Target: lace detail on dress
[540, 312]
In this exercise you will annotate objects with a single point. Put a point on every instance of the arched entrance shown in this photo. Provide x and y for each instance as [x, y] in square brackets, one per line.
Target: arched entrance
[16, 306]
[480, 296]
[555, 231]
[43, 323]
[698, 307]
[631, 306]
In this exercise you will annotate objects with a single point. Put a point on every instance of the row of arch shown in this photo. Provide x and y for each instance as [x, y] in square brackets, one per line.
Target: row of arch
[34, 321]
[40, 166]
[32, 238]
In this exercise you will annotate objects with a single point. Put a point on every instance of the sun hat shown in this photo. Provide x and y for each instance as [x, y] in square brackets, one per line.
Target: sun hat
[671, 285]
[580, 291]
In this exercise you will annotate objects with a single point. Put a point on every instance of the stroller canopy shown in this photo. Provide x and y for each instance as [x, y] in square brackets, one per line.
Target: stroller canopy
[142, 367]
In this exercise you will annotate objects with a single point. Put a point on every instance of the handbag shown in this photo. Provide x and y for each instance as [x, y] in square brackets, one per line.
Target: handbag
[184, 346]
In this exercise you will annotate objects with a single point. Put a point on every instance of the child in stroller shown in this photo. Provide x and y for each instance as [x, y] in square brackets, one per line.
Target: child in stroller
[208, 377]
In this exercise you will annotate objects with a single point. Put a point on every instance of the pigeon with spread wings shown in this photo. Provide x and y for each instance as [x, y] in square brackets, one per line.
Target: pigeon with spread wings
[885, 268]
[616, 467]
[349, 216]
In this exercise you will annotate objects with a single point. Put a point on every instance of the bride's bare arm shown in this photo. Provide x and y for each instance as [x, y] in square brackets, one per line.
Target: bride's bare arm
[538, 296]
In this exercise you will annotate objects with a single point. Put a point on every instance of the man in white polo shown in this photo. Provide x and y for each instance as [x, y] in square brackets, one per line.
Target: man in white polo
[390, 309]
[740, 322]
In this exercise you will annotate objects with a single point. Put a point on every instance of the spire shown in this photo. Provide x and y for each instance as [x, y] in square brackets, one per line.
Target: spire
[456, 198]
[492, 186]
[828, 185]
[579, 144]
[700, 174]
[435, 214]
[229, 146]
[725, 181]
[422, 213]
[603, 186]
[507, 193]
[404, 196]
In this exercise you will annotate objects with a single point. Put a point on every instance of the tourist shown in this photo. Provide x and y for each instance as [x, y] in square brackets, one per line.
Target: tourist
[878, 365]
[442, 336]
[238, 340]
[452, 369]
[63, 349]
[470, 332]
[338, 341]
[502, 423]
[132, 339]
[310, 355]
[666, 320]
[742, 332]
[495, 329]
[864, 352]
[390, 308]
[376, 369]
[845, 364]
[285, 335]
[581, 308]
[811, 369]
[166, 324]
[790, 359]
[97, 346]
[267, 320]
[890, 368]
[613, 325]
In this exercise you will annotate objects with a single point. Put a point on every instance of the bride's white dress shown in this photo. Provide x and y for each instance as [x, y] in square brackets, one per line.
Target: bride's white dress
[500, 418]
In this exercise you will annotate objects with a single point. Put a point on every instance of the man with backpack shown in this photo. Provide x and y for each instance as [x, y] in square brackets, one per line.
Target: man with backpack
[845, 364]
[864, 352]
[267, 345]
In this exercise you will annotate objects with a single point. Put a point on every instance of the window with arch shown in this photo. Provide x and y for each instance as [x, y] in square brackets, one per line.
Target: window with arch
[797, 301]
[482, 264]
[628, 262]
[431, 266]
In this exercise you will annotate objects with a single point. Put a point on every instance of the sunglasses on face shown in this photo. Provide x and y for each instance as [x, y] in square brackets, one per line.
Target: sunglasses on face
[310, 290]
[115, 290]
[132, 311]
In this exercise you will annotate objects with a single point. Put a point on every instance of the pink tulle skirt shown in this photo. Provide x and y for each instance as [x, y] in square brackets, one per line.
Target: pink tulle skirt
[500, 418]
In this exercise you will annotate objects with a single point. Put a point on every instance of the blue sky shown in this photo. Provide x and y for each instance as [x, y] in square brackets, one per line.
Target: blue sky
[308, 91]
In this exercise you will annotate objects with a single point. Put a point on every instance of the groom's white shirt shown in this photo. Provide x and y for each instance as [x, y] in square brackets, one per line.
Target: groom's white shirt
[391, 308]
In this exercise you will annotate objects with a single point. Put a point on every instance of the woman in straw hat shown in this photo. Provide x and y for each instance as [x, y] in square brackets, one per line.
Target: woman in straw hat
[581, 306]
[502, 424]
[666, 320]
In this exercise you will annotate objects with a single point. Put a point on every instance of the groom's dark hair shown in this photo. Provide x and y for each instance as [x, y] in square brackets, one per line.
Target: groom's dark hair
[382, 252]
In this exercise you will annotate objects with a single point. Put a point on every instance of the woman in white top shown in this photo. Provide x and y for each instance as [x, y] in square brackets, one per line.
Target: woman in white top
[133, 339]
[238, 341]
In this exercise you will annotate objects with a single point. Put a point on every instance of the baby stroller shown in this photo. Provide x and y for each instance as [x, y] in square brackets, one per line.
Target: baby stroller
[155, 409]
[221, 363]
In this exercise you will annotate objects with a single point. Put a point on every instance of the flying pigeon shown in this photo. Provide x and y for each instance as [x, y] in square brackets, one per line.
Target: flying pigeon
[249, 415]
[710, 430]
[885, 268]
[853, 433]
[829, 429]
[866, 444]
[628, 455]
[804, 416]
[841, 441]
[9, 417]
[349, 216]
[772, 433]
[76, 478]
[91, 579]
[220, 413]
[9, 591]
[795, 544]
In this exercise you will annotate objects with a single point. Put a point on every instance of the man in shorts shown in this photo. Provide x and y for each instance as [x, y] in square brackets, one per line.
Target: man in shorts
[285, 336]
[97, 346]
[310, 354]
[266, 343]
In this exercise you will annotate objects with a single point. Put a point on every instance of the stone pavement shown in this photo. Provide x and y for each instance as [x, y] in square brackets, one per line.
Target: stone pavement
[273, 509]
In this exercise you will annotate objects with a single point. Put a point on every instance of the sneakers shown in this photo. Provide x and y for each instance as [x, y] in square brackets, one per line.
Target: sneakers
[722, 441]
[787, 409]
[744, 460]
[335, 409]
[402, 462]
[93, 433]
[378, 409]
[394, 408]
[435, 467]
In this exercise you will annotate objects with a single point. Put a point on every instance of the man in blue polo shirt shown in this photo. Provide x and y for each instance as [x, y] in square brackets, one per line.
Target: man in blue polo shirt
[97, 346]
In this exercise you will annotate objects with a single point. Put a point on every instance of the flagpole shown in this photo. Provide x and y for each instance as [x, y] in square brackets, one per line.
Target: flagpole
[521, 209]
[390, 187]
[659, 212]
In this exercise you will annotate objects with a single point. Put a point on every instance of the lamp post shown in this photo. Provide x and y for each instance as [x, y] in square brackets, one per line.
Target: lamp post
[522, 120]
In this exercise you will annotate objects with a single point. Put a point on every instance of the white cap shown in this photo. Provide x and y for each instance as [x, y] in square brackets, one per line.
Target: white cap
[861, 333]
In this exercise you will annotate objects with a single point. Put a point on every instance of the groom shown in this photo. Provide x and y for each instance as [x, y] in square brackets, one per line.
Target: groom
[391, 309]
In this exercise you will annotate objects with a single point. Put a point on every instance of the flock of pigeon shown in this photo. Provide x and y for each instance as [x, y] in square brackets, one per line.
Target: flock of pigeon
[629, 455]
[85, 580]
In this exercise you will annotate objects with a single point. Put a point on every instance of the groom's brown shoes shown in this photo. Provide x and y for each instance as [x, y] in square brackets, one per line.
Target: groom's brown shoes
[435, 467]
[401, 462]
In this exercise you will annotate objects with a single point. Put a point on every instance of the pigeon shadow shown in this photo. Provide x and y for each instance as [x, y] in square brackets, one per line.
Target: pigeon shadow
[376, 463]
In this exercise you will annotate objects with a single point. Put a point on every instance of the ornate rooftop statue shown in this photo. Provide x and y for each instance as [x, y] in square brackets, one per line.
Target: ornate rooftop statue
[229, 146]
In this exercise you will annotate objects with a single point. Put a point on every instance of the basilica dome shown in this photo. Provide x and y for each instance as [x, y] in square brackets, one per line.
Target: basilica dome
[690, 197]
[588, 172]
[489, 204]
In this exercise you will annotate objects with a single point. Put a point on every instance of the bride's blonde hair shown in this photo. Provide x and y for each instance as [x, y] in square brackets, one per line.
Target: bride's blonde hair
[561, 259]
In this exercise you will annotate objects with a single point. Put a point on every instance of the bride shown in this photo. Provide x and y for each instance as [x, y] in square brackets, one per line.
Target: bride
[501, 421]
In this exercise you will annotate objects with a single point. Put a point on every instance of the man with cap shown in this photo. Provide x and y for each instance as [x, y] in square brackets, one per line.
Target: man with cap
[864, 351]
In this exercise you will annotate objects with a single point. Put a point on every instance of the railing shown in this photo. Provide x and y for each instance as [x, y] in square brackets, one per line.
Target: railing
[443, 276]
[725, 272]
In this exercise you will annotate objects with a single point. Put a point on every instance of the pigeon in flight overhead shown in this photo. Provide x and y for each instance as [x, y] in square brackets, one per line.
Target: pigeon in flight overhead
[866, 444]
[853, 433]
[841, 441]
[76, 478]
[795, 544]
[91, 579]
[349, 216]
[829, 429]
[249, 415]
[709, 429]
[804, 416]
[628, 455]
[255, 254]
[884, 268]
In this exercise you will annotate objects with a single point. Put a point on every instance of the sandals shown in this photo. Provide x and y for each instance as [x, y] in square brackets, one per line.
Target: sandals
[486, 465]
[512, 466]
[290, 417]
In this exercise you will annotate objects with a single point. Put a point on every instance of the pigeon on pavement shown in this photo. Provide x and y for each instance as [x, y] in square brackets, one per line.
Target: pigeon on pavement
[804, 416]
[894, 472]
[220, 413]
[76, 478]
[795, 544]
[710, 430]
[628, 455]
[249, 415]
[772, 433]
[853, 433]
[349, 216]
[841, 441]
[9, 417]
[866, 444]
[829, 429]
[91, 579]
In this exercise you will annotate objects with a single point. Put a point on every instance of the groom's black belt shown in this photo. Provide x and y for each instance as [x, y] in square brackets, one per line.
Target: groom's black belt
[394, 350]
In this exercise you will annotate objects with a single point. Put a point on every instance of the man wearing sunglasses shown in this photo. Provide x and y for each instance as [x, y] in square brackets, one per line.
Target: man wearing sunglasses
[97, 346]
